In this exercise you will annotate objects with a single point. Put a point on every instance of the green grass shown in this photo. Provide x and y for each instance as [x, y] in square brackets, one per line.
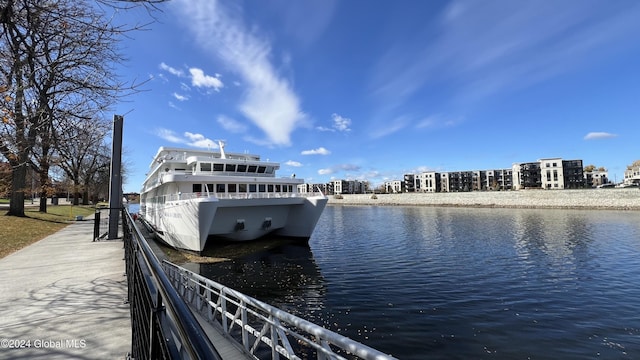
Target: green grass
[19, 232]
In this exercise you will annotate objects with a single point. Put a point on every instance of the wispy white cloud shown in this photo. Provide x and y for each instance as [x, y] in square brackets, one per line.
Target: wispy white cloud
[599, 135]
[198, 140]
[171, 70]
[231, 125]
[340, 123]
[180, 97]
[482, 48]
[293, 163]
[269, 101]
[187, 138]
[200, 79]
[318, 151]
[393, 126]
[438, 121]
[338, 168]
[169, 136]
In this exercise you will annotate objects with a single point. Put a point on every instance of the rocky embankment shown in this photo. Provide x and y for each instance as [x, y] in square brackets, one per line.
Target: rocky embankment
[613, 199]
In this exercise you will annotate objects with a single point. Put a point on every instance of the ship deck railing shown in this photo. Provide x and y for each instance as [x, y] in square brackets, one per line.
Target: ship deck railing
[262, 331]
[252, 195]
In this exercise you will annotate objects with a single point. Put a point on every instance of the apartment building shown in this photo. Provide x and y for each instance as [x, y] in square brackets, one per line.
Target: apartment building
[632, 174]
[550, 174]
[427, 182]
[348, 187]
[410, 183]
[395, 186]
[596, 178]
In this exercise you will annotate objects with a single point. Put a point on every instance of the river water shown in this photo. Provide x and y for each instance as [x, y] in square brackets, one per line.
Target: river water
[460, 283]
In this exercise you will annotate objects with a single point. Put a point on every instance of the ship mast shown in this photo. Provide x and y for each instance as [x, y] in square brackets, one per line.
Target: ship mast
[221, 145]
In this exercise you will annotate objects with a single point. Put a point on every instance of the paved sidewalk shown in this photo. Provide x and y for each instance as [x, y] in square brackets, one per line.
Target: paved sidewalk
[63, 298]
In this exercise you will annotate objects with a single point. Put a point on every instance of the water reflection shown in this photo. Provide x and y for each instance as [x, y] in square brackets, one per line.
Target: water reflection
[285, 276]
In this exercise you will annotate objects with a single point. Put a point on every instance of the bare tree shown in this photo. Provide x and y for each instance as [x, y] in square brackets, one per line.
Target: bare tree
[83, 155]
[57, 67]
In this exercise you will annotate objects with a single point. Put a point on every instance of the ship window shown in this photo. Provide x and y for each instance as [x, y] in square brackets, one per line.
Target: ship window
[269, 169]
[242, 188]
[205, 166]
[210, 188]
[252, 168]
[230, 167]
[232, 188]
[217, 167]
[242, 168]
[252, 188]
[221, 188]
[269, 188]
[261, 169]
[197, 187]
[261, 188]
[278, 188]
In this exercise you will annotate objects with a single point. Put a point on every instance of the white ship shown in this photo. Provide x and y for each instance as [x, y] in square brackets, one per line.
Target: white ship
[191, 195]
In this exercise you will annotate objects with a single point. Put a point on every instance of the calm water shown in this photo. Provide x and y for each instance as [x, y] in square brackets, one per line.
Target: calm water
[447, 283]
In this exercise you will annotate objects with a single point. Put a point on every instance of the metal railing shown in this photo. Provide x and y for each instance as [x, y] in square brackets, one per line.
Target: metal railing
[261, 329]
[245, 195]
[162, 325]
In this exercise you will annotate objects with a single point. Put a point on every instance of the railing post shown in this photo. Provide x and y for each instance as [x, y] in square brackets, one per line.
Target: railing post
[274, 338]
[245, 321]
[223, 305]
[96, 225]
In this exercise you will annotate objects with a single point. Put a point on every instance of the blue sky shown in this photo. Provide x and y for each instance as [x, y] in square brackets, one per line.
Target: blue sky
[371, 90]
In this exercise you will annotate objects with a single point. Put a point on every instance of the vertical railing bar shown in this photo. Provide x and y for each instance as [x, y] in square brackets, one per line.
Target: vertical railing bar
[245, 321]
[274, 339]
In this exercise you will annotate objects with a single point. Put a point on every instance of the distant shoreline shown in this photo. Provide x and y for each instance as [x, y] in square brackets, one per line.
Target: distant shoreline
[587, 199]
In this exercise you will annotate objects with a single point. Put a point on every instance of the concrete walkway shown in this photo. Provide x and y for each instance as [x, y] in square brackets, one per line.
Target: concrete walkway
[63, 298]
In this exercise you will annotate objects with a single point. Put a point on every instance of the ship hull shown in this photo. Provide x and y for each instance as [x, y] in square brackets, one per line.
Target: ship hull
[189, 224]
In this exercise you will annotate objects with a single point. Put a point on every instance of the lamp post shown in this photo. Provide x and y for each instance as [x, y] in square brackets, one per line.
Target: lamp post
[115, 187]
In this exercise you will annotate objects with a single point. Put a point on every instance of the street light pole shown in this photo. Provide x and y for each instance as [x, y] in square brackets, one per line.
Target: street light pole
[115, 187]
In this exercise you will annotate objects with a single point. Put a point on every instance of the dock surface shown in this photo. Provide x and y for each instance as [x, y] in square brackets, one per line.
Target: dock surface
[63, 298]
